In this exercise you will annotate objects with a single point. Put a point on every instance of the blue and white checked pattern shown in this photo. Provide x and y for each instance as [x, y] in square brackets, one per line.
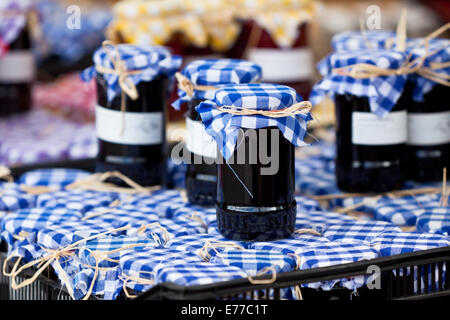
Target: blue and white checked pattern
[107, 284]
[164, 202]
[80, 200]
[140, 264]
[193, 243]
[319, 220]
[151, 62]
[26, 223]
[253, 261]
[441, 50]
[122, 215]
[197, 273]
[12, 198]
[306, 204]
[176, 174]
[109, 249]
[11, 26]
[404, 211]
[51, 177]
[436, 220]
[382, 92]
[224, 127]
[291, 245]
[335, 254]
[217, 72]
[356, 40]
[316, 183]
[60, 235]
[405, 242]
[359, 231]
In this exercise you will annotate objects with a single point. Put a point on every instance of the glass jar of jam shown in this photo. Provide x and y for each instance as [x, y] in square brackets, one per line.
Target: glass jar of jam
[428, 146]
[131, 111]
[370, 149]
[201, 174]
[139, 152]
[17, 73]
[255, 182]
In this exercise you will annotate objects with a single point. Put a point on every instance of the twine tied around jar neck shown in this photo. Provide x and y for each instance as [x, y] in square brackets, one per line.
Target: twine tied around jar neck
[155, 237]
[120, 69]
[184, 84]
[214, 245]
[365, 70]
[138, 280]
[303, 107]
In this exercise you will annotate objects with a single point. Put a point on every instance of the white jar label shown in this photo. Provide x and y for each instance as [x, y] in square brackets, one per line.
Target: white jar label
[427, 129]
[140, 128]
[370, 130]
[17, 66]
[198, 141]
[284, 65]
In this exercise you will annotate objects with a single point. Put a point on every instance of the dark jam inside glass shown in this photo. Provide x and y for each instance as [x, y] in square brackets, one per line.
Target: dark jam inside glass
[15, 96]
[425, 161]
[145, 164]
[201, 174]
[365, 168]
[252, 205]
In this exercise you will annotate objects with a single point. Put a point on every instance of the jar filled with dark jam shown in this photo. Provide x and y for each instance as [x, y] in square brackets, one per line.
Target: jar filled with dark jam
[252, 205]
[207, 75]
[139, 152]
[201, 174]
[17, 72]
[370, 149]
[255, 175]
[428, 147]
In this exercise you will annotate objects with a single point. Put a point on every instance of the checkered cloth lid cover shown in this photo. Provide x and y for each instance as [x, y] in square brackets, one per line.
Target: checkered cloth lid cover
[435, 220]
[217, 73]
[359, 231]
[404, 242]
[253, 261]
[51, 177]
[224, 127]
[11, 25]
[382, 92]
[197, 273]
[356, 40]
[12, 198]
[441, 54]
[151, 62]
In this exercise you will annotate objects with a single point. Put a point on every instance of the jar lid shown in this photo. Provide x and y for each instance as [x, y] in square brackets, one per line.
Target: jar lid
[254, 106]
[438, 52]
[213, 74]
[357, 40]
[382, 90]
[136, 63]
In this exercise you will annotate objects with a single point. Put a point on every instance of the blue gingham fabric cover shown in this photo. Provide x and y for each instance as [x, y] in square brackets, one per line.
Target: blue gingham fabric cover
[224, 127]
[440, 53]
[382, 92]
[12, 197]
[359, 231]
[11, 26]
[51, 177]
[357, 40]
[216, 72]
[152, 62]
[436, 220]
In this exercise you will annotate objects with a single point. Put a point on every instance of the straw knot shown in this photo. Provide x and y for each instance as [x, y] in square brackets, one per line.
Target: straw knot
[184, 84]
[303, 107]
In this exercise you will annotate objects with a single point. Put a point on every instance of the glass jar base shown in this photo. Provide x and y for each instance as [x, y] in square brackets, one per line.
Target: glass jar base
[200, 192]
[143, 174]
[256, 226]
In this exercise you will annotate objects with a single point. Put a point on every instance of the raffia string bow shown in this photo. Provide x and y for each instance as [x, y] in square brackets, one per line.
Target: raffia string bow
[364, 70]
[303, 107]
[5, 174]
[120, 69]
[187, 86]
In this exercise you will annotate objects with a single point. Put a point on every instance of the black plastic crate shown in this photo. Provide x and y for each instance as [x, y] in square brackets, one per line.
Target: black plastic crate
[4, 281]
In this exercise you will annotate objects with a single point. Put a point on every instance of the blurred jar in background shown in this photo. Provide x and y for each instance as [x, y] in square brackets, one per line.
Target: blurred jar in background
[17, 66]
[275, 37]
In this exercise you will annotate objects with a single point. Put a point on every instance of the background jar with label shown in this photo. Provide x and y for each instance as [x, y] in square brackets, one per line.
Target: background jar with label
[370, 149]
[138, 151]
[17, 73]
